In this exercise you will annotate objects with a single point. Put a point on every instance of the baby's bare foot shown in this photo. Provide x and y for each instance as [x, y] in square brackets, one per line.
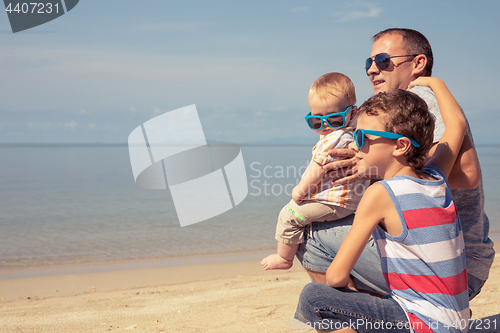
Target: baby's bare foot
[275, 261]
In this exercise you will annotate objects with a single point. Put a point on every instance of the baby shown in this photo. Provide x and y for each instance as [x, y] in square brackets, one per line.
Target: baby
[315, 199]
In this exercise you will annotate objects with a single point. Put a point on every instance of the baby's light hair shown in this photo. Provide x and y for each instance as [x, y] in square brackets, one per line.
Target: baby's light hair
[334, 84]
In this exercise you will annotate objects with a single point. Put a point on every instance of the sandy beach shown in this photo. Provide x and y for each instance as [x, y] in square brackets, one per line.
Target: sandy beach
[214, 297]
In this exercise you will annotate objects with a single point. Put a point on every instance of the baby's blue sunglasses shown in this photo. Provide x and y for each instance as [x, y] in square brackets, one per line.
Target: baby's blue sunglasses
[334, 120]
[359, 135]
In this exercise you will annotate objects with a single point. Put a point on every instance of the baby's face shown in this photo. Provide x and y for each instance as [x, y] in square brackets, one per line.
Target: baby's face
[323, 107]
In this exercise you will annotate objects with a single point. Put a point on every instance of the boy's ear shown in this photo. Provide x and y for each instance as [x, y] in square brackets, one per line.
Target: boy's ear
[419, 63]
[402, 146]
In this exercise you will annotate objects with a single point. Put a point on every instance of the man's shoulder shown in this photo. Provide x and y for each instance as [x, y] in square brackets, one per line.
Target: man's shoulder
[426, 94]
[420, 90]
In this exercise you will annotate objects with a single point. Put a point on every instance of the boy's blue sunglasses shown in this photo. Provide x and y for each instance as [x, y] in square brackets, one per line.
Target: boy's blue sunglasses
[359, 136]
[334, 120]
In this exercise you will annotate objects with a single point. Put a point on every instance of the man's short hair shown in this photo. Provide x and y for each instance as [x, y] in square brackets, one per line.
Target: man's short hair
[334, 84]
[406, 114]
[414, 43]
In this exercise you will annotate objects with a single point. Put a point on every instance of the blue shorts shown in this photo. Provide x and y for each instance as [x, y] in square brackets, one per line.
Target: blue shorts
[324, 308]
[322, 243]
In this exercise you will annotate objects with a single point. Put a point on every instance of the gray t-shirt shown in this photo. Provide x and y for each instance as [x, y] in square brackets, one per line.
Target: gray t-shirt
[470, 205]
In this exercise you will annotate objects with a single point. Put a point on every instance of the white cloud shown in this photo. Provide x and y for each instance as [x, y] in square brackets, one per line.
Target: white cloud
[173, 26]
[111, 128]
[156, 111]
[72, 124]
[83, 112]
[50, 125]
[137, 77]
[45, 126]
[299, 9]
[279, 109]
[358, 11]
[107, 127]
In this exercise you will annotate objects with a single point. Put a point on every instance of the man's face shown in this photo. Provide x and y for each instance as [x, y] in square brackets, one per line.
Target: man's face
[399, 73]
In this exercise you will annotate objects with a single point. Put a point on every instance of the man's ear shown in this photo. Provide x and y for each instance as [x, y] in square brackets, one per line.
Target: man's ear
[419, 63]
[402, 146]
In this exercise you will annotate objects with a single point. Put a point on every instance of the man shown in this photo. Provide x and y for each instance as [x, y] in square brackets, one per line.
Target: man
[398, 57]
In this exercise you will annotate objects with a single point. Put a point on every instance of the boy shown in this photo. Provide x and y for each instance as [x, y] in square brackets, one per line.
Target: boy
[413, 219]
[315, 199]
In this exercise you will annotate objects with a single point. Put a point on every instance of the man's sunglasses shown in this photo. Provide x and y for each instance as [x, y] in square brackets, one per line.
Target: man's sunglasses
[334, 120]
[359, 136]
[383, 60]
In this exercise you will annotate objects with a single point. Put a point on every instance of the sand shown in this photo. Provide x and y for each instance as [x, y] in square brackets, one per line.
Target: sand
[215, 297]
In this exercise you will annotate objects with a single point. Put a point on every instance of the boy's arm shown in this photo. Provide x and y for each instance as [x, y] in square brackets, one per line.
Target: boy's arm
[448, 147]
[312, 176]
[464, 174]
[465, 171]
[371, 209]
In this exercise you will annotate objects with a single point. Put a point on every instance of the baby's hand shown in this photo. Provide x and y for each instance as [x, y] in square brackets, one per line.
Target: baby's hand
[297, 195]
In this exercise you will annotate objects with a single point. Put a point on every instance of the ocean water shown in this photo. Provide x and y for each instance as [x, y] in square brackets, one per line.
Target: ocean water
[63, 205]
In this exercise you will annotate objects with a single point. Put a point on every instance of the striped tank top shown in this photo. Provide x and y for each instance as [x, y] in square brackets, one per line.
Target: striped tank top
[425, 266]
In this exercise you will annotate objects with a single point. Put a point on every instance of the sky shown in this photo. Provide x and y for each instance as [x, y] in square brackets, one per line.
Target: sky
[96, 73]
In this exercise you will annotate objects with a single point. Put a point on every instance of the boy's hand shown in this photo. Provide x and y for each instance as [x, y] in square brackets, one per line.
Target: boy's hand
[297, 195]
[424, 81]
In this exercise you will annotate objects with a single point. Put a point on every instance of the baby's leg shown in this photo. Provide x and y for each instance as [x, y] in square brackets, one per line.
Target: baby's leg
[292, 221]
[283, 259]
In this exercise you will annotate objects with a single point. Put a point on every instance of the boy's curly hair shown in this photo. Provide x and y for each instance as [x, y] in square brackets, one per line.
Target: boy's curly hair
[406, 114]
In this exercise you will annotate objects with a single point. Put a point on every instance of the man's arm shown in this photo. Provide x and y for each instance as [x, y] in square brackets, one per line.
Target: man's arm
[344, 170]
[465, 171]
